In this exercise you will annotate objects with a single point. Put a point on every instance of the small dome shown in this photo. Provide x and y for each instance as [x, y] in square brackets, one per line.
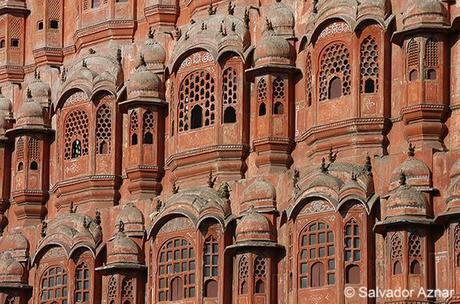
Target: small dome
[121, 249]
[254, 227]
[5, 105]
[11, 271]
[325, 180]
[282, 18]
[421, 12]
[144, 83]
[416, 172]
[260, 194]
[132, 218]
[30, 112]
[38, 88]
[406, 201]
[272, 48]
[154, 53]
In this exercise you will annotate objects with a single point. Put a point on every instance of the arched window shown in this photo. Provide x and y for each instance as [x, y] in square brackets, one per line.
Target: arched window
[456, 238]
[308, 80]
[54, 286]
[127, 290]
[33, 166]
[317, 252]
[197, 117]
[33, 149]
[415, 253]
[413, 59]
[229, 95]
[335, 72]
[76, 149]
[396, 253]
[335, 88]
[20, 148]
[352, 241]
[54, 24]
[133, 127]
[76, 134]
[262, 96]
[82, 284]
[211, 266]
[40, 25]
[95, 3]
[112, 290]
[176, 270]
[2, 43]
[278, 95]
[148, 128]
[20, 166]
[260, 274]
[210, 289]
[197, 89]
[431, 60]
[352, 274]
[104, 129]
[369, 65]
[243, 275]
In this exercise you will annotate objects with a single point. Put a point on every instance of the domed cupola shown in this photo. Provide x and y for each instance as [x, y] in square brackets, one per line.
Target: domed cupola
[40, 91]
[121, 249]
[30, 113]
[261, 195]
[272, 48]
[282, 19]
[132, 219]
[154, 53]
[6, 108]
[430, 13]
[11, 271]
[405, 201]
[254, 227]
[144, 83]
[378, 8]
[416, 171]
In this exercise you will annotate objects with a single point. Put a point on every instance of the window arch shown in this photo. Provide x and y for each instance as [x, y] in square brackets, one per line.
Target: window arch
[82, 284]
[415, 253]
[76, 134]
[369, 65]
[413, 59]
[133, 128]
[104, 129]
[396, 253]
[278, 95]
[352, 241]
[335, 72]
[147, 127]
[352, 274]
[20, 166]
[317, 250]
[196, 120]
[127, 291]
[20, 148]
[260, 274]
[176, 270]
[262, 96]
[431, 59]
[54, 286]
[229, 95]
[243, 275]
[197, 88]
[211, 266]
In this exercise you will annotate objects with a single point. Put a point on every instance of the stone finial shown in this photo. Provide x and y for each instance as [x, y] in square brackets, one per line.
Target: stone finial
[268, 24]
[368, 165]
[151, 33]
[175, 188]
[158, 206]
[121, 226]
[402, 178]
[29, 94]
[212, 9]
[142, 60]
[97, 217]
[231, 8]
[314, 8]
[72, 208]
[223, 29]
[86, 222]
[119, 56]
[323, 166]
[354, 176]
[332, 156]
[224, 191]
[211, 180]
[204, 26]
[84, 63]
[233, 26]
[44, 227]
[92, 51]
[411, 150]
[64, 74]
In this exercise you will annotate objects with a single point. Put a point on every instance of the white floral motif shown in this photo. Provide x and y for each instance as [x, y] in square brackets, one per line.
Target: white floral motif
[334, 28]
